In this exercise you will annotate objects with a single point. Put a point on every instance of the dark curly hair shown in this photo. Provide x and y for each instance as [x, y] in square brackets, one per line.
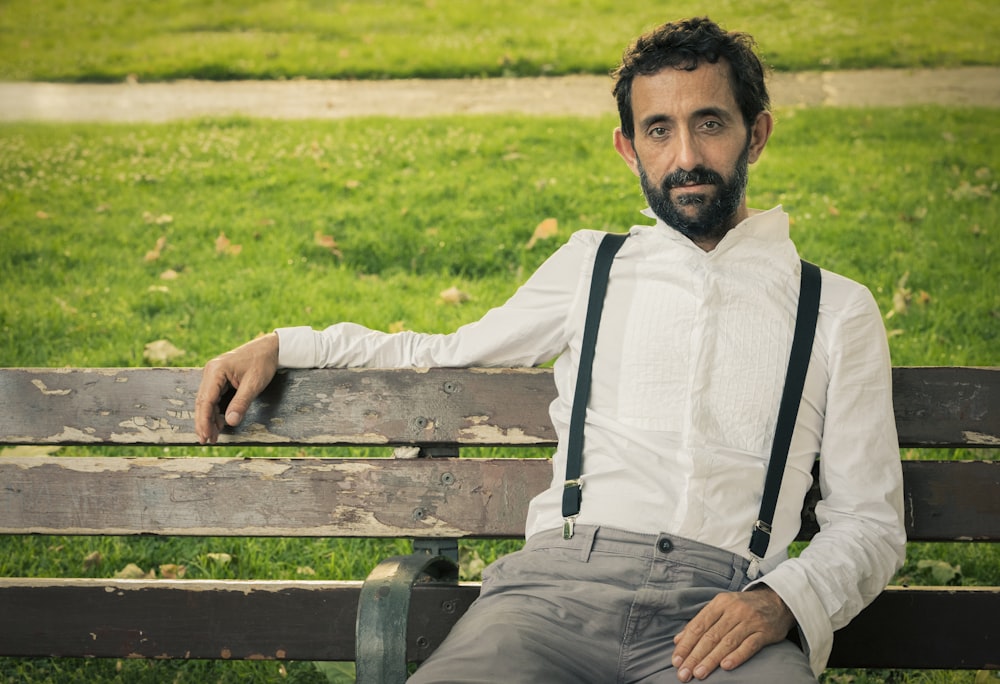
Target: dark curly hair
[684, 45]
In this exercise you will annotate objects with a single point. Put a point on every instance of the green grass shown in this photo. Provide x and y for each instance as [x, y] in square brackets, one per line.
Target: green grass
[415, 207]
[108, 40]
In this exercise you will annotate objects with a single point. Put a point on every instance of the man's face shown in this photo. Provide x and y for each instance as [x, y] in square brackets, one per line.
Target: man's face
[691, 149]
[704, 215]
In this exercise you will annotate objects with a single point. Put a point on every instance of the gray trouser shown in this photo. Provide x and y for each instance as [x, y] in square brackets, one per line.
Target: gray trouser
[602, 607]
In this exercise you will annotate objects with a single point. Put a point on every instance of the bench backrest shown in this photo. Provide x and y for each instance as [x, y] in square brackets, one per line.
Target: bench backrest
[431, 409]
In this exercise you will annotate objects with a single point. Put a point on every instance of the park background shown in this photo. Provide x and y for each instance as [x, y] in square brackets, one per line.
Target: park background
[200, 234]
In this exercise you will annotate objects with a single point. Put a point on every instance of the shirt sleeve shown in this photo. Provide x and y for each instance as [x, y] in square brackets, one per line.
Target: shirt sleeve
[529, 329]
[862, 539]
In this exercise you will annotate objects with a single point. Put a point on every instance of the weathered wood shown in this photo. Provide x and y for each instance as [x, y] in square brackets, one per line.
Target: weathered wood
[924, 628]
[269, 497]
[310, 620]
[947, 406]
[934, 406]
[931, 490]
[327, 407]
[441, 497]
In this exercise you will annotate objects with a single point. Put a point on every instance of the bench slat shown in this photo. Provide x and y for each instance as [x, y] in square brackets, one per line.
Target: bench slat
[312, 620]
[934, 407]
[439, 497]
[323, 407]
[269, 497]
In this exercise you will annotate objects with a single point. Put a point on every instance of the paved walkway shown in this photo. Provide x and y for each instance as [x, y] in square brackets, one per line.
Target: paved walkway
[576, 95]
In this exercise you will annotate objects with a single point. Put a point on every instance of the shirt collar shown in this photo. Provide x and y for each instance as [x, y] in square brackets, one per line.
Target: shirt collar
[767, 226]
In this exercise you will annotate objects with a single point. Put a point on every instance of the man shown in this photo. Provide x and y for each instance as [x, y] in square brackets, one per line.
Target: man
[654, 584]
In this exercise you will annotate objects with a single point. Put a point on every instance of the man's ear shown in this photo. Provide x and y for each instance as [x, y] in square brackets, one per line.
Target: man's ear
[759, 135]
[626, 150]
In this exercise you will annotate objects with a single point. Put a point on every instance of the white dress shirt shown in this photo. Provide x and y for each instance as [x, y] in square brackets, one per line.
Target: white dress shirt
[688, 372]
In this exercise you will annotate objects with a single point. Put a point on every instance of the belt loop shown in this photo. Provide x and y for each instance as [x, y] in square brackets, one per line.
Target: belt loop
[740, 576]
[588, 535]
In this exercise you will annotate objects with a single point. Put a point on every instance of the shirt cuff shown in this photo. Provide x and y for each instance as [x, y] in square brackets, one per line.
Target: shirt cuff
[296, 347]
[810, 614]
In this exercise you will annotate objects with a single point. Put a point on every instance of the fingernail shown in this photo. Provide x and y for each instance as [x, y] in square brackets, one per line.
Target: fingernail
[684, 675]
[233, 418]
[676, 661]
[699, 672]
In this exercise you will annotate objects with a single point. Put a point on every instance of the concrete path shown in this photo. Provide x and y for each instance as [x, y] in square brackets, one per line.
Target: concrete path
[575, 95]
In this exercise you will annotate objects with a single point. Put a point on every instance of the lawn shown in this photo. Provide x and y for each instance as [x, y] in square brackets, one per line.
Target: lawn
[206, 233]
[111, 40]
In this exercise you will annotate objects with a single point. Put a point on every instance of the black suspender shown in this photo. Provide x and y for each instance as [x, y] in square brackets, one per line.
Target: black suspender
[572, 494]
[802, 339]
[788, 410]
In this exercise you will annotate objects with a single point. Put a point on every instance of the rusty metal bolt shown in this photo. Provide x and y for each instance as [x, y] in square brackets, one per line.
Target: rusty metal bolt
[450, 387]
[419, 514]
[447, 479]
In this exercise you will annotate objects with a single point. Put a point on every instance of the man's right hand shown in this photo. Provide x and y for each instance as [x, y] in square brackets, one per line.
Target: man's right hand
[248, 369]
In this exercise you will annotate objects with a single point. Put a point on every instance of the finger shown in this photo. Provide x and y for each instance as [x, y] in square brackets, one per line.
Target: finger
[687, 639]
[246, 391]
[206, 404]
[746, 650]
[732, 648]
[707, 638]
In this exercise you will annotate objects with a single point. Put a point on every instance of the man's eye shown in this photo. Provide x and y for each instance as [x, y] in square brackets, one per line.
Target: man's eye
[658, 132]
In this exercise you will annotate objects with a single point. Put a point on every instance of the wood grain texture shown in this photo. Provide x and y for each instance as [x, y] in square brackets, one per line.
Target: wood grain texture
[155, 406]
[439, 406]
[439, 497]
[269, 497]
[437, 410]
[314, 620]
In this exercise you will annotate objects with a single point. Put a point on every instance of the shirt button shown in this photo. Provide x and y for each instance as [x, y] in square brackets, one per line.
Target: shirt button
[665, 545]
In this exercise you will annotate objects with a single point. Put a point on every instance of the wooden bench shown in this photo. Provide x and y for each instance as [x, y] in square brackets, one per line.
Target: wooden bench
[436, 500]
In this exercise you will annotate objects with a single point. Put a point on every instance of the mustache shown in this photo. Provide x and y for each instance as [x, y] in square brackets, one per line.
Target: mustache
[699, 175]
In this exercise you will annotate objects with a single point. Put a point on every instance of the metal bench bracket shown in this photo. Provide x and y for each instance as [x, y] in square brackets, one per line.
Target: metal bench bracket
[383, 613]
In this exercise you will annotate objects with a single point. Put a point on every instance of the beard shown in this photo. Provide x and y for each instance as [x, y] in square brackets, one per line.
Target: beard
[713, 216]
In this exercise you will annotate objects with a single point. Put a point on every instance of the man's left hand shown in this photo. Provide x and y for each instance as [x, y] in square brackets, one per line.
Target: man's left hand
[729, 631]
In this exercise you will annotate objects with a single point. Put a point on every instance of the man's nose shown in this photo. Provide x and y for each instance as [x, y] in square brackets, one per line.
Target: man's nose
[688, 151]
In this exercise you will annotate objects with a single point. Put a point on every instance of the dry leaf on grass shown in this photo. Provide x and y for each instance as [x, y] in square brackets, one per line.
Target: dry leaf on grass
[161, 352]
[545, 230]
[224, 246]
[160, 220]
[901, 297]
[454, 296]
[172, 571]
[220, 558]
[157, 251]
[133, 571]
[92, 560]
[327, 242]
